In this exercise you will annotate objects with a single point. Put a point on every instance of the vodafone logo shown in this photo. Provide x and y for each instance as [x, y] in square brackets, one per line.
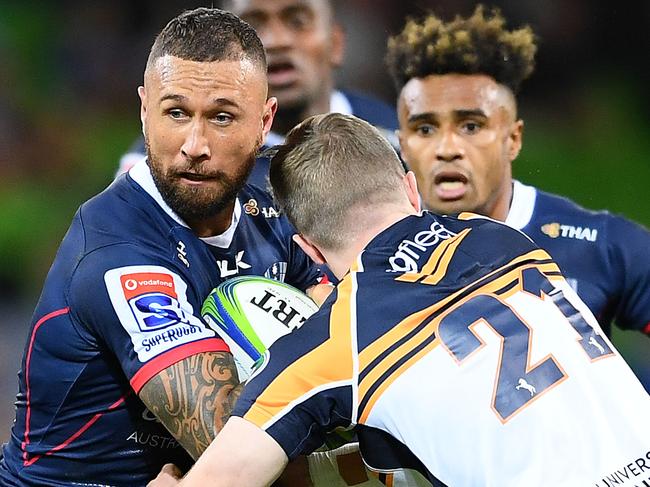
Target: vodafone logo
[147, 282]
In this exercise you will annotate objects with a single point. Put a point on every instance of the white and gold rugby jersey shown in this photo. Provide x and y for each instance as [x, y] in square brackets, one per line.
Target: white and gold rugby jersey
[458, 350]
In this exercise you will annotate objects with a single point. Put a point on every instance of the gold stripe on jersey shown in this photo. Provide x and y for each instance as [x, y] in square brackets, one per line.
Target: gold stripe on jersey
[377, 365]
[549, 269]
[468, 215]
[394, 374]
[307, 373]
[436, 267]
[372, 351]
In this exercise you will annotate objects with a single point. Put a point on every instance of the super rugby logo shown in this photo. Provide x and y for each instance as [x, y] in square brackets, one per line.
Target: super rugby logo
[408, 253]
[153, 300]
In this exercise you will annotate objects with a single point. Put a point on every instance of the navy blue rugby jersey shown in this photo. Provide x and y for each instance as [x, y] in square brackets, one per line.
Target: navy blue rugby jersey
[604, 257]
[451, 340]
[120, 304]
[372, 110]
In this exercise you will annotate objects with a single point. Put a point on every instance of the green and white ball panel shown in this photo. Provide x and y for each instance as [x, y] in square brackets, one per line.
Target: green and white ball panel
[251, 312]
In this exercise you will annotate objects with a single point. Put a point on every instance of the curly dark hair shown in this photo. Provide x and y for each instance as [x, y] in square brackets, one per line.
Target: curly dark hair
[479, 44]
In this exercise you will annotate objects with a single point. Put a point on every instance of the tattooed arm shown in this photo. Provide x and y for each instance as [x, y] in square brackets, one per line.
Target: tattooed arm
[194, 397]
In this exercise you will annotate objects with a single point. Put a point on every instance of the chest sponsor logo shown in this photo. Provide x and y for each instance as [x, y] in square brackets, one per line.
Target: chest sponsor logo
[409, 251]
[252, 208]
[153, 300]
[555, 230]
[227, 270]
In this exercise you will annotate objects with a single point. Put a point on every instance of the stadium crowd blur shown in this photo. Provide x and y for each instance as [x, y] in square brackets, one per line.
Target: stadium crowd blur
[69, 109]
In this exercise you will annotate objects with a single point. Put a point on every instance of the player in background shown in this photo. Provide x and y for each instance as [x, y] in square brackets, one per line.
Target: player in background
[119, 374]
[454, 345]
[459, 133]
[304, 45]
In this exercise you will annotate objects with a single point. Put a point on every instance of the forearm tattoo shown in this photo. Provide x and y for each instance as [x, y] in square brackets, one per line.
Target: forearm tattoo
[194, 397]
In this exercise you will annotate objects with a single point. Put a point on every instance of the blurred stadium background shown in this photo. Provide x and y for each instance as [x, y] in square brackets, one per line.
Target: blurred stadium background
[69, 108]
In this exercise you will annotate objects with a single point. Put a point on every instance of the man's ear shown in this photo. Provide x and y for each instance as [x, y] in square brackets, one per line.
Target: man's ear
[270, 108]
[402, 152]
[143, 106]
[310, 249]
[515, 138]
[411, 185]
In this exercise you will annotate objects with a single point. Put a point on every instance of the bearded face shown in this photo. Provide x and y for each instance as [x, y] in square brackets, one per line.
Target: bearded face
[203, 124]
[194, 191]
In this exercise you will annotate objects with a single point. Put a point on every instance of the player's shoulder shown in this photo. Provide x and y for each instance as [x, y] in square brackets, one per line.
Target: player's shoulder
[474, 241]
[551, 203]
[121, 213]
[372, 110]
[488, 237]
[558, 216]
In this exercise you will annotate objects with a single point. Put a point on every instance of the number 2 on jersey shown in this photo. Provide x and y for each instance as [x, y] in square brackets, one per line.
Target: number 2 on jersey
[518, 381]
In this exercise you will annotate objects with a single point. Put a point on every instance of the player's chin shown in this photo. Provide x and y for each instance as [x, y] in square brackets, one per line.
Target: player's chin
[447, 206]
[290, 97]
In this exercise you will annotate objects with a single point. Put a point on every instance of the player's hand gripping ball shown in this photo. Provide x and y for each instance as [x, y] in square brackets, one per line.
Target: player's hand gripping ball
[251, 312]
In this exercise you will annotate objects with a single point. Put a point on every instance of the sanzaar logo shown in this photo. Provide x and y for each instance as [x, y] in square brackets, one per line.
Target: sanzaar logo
[409, 252]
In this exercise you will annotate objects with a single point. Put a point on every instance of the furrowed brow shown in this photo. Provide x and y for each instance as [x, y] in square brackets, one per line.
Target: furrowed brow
[475, 112]
[225, 102]
[422, 117]
[173, 97]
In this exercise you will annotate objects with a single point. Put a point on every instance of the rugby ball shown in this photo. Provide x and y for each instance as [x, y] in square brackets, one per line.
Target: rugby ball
[251, 312]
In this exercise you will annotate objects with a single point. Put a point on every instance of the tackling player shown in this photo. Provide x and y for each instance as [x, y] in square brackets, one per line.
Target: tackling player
[304, 45]
[459, 133]
[120, 375]
[455, 346]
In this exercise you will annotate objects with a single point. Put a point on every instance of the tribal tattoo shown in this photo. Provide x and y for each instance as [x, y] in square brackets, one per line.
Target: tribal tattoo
[194, 398]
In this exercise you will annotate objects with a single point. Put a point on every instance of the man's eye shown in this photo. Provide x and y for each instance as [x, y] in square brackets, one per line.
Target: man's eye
[176, 113]
[471, 127]
[223, 118]
[299, 20]
[425, 129]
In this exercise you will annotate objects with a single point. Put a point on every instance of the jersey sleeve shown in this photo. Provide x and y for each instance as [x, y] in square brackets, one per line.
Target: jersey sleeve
[303, 389]
[144, 313]
[629, 257]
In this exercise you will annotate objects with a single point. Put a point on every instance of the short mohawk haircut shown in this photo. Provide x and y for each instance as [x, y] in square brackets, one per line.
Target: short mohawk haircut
[206, 35]
[479, 44]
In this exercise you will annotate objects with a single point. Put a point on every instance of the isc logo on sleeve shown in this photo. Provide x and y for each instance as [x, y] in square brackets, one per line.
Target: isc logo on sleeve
[153, 300]
[152, 306]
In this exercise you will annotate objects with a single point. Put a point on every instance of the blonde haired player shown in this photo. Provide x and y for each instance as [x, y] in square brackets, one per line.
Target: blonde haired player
[434, 324]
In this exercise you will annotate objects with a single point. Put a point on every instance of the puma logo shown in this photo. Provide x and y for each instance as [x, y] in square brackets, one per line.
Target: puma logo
[525, 385]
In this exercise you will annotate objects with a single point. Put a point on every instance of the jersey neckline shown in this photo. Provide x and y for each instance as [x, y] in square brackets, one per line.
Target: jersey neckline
[141, 175]
[522, 206]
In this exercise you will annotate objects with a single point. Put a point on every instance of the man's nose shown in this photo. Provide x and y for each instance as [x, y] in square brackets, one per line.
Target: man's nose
[448, 148]
[196, 144]
[276, 35]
